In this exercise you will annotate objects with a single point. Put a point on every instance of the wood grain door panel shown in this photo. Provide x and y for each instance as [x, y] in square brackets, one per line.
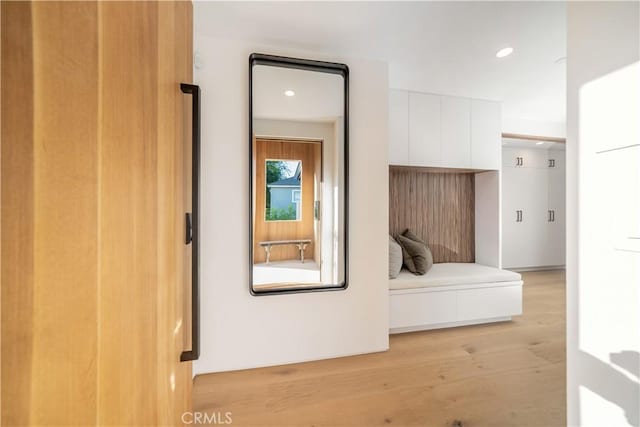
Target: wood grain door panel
[93, 200]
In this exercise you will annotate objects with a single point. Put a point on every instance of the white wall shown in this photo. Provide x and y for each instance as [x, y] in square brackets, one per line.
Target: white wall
[603, 214]
[242, 331]
[488, 230]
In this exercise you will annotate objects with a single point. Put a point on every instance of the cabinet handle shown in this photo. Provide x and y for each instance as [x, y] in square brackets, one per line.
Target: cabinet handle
[552, 163]
[193, 223]
[553, 216]
[548, 216]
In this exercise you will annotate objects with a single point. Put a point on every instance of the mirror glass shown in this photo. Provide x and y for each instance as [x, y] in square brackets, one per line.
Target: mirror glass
[298, 166]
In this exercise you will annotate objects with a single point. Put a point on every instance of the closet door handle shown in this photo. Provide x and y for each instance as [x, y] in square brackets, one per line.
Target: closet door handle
[193, 223]
[548, 216]
[553, 216]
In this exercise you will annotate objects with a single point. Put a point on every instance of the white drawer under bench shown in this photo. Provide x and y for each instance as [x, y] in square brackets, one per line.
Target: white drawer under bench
[443, 299]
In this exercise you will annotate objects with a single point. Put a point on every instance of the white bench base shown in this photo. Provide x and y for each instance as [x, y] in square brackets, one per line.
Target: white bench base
[449, 306]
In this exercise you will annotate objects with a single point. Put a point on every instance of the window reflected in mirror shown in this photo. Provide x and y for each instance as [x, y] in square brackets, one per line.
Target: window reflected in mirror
[283, 195]
[298, 169]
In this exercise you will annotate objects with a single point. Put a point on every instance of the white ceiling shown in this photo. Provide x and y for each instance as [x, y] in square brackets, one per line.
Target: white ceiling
[318, 96]
[440, 47]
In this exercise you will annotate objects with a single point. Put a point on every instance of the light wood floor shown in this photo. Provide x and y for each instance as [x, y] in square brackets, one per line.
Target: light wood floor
[506, 374]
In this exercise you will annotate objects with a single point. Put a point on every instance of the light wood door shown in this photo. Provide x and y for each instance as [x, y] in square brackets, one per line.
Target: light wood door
[456, 132]
[424, 130]
[398, 127]
[94, 266]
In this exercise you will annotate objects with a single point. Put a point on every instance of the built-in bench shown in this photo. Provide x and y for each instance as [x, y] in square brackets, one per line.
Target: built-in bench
[300, 243]
[453, 294]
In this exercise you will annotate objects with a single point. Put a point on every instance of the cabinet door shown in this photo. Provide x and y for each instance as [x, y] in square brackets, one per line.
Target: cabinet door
[556, 221]
[535, 218]
[398, 127]
[456, 132]
[486, 124]
[523, 241]
[524, 157]
[424, 130]
[510, 157]
[555, 159]
[514, 232]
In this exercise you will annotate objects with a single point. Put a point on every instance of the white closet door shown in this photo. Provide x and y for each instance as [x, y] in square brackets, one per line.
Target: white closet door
[556, 223]
[456, 132]
[398, 127]
[555, 159]
[486, 128]
[536, 216]
[515, 233]
[424, 129]
[524, 242]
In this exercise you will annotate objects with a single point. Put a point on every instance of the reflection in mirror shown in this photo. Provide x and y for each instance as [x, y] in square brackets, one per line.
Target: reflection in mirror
[298, 170]
[283, 190]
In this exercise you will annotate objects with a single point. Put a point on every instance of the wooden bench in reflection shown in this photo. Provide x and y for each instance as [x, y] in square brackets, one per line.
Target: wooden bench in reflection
[300, 243]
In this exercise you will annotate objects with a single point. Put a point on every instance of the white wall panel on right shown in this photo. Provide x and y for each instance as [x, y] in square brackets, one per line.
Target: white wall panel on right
[603, 230]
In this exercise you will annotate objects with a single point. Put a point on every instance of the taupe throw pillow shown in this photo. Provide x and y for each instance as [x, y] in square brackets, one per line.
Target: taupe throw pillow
[415, 253]
[395, 258]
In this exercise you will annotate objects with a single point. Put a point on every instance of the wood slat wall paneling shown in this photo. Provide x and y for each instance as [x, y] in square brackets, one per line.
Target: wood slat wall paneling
[439, 207]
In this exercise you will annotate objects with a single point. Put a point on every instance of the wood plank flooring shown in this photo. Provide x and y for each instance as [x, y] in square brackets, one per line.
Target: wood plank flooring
[505, 374]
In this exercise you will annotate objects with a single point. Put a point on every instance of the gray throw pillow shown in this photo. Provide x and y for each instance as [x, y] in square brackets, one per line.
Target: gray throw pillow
[416, 254]
[395, 258]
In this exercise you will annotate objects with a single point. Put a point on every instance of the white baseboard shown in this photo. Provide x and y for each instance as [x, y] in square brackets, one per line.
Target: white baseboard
[543, 268]
[448, 325]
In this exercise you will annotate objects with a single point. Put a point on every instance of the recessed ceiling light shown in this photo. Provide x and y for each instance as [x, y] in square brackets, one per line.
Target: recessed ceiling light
[504, 52]
[289, 92]
[539, 143]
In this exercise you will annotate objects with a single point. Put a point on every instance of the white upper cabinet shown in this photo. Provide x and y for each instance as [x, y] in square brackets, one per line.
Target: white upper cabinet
[443, 131]
[486, 134]
[424, 130]
[524, 158]
[398, 127]
[455, 143]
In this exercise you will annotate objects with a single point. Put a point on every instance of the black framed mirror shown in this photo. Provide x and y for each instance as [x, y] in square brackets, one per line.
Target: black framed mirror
[298, 175]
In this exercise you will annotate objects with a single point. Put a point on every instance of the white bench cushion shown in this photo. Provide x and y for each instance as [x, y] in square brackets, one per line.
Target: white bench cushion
[450, 274]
